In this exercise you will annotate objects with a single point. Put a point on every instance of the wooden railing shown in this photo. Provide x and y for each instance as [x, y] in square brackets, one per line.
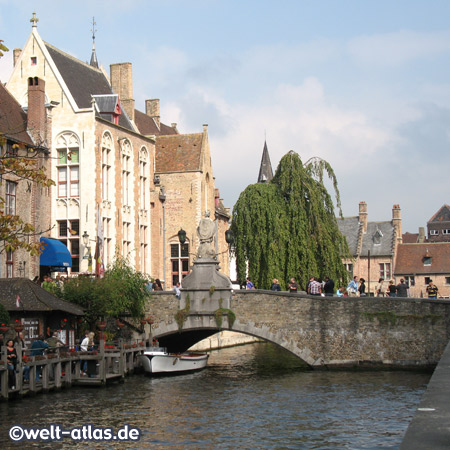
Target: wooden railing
[62, 368]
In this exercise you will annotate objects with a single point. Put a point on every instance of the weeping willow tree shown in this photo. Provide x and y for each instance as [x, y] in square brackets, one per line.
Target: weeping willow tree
[287, 228]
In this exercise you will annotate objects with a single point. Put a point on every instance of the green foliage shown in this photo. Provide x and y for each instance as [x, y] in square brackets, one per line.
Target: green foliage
[219, 313]
[287, 228]
[182, 314]
[4, 315]
[120, 292]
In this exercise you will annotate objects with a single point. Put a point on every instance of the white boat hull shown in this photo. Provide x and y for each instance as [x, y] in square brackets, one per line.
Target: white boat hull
[160, 362]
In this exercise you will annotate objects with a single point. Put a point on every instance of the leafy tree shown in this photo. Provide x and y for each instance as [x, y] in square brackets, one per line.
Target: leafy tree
[121, 292]
[287, 228]
[20, 164]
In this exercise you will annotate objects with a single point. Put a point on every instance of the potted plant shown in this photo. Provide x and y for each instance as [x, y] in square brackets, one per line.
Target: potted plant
[18, 325]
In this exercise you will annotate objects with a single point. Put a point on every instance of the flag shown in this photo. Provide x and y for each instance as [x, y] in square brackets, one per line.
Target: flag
[17, 301]
[99, 268]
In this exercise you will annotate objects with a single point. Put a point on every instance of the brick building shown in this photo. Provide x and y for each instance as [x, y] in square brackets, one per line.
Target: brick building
[103, 154]
[373, 245]
[21, 135]
[439, 226]
[418, 263]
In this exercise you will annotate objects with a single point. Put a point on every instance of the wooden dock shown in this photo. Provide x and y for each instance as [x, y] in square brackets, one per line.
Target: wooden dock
[65, 369]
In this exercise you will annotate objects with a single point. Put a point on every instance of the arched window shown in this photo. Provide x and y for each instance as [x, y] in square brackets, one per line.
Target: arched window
[68, 149]
[143, 178]
[126, 172]
[107, 153]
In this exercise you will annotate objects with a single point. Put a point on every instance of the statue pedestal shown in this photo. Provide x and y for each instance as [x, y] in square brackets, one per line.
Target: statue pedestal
[205, 289]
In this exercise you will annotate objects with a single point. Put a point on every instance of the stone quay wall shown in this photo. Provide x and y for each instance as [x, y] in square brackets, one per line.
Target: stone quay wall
[330, 332]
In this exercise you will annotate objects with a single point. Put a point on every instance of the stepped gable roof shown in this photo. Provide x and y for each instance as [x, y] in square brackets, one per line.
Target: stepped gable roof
[265, 169]
[147, 126]
[443, 215]
[13, 120]
[82, 79]
[409, 259]
[178, 153]
[32, 297]
[378, 239]
[350, 228]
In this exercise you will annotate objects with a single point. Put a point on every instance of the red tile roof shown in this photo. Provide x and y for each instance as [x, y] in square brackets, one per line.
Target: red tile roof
[410, 258]
[13, 120]
[410, 238]
[178, 153]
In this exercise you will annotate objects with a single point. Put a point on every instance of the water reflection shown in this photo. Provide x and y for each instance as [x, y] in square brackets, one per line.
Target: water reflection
[249, 397]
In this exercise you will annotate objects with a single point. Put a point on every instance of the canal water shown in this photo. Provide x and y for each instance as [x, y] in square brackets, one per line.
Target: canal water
[250, 397]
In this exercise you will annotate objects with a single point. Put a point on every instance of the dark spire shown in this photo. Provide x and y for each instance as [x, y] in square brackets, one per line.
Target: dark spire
[94, 62]
[265, 171]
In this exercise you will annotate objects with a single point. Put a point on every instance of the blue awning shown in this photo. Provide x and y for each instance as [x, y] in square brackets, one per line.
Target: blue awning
[55, 254]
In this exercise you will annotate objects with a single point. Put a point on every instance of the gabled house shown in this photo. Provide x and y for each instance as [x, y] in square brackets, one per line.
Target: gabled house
[418, 263]
[439, 226]
[373, 245]
[102, 159]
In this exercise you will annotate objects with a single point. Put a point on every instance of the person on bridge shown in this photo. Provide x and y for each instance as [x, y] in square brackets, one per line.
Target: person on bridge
[362, 287]
[250, 285]
[402, 288]
[352, 287]
[432, 290]
[293, 286]
[392, 289]
[275, 285]
[328, 287]
[315, 288]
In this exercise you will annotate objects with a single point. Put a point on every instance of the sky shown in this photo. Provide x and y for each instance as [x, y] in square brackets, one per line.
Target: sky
[364, 85]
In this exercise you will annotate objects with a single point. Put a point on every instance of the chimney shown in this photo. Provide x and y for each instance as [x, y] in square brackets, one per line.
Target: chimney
[16, 53]
[397, 222]
[152, 110]
[37, 116]
[421, 238]
[216, 197]
[363, 215]
[122, 84]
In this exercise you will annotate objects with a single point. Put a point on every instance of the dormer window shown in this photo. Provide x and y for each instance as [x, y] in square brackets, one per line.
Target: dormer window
[377, 237]
[434, 232]
[427, 260]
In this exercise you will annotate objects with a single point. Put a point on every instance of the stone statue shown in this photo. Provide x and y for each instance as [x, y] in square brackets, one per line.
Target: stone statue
[206, 230]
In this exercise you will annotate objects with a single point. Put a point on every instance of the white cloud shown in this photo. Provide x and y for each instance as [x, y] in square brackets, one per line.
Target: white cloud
[399, 47]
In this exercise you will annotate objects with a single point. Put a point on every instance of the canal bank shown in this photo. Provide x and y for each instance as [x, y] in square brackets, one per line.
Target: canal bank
[430, 427]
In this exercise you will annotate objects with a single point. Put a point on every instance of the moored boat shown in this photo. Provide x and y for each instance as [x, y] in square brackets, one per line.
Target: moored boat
[156, 360]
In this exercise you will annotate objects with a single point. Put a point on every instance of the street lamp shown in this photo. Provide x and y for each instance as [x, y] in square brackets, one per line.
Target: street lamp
[228, 237]
[85, 239]
[182, 236]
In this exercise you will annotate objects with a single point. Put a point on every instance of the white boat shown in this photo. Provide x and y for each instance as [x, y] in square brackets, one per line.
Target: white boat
[156, 360]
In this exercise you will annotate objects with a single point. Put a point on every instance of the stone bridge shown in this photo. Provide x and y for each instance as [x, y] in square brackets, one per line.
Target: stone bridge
[325, 332]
